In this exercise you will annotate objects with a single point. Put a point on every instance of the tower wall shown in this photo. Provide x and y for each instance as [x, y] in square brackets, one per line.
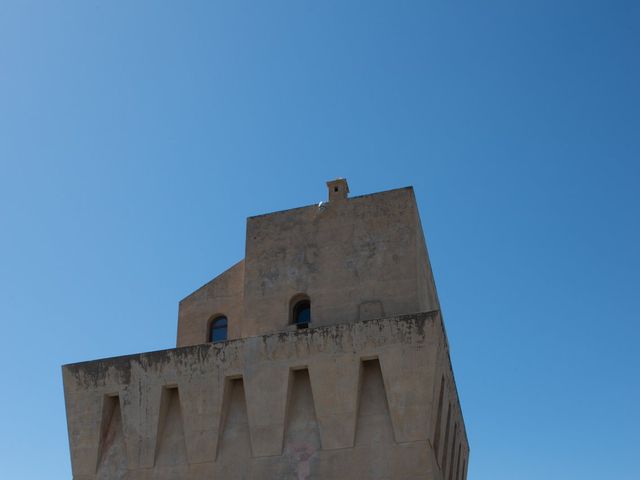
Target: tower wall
[365, 390]
[355, 258]
[224, 295]
[352, 400]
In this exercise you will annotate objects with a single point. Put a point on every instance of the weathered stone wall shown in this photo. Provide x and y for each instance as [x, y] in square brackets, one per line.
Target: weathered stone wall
[356, 400]
[224, 295]
[355, 258]
[366, 393]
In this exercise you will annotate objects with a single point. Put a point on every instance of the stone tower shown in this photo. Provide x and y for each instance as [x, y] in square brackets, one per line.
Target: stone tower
[321, 355]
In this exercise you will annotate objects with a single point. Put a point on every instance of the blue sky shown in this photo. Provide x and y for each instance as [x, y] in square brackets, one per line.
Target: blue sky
[136, 136]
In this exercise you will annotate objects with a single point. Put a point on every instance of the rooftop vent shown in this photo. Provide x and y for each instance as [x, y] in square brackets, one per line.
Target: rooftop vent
[338, 189]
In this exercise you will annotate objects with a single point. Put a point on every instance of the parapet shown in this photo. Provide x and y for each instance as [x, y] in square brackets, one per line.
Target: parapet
[350, 396]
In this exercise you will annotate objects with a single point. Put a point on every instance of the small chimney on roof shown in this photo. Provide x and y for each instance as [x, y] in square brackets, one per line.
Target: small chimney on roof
[338, 189]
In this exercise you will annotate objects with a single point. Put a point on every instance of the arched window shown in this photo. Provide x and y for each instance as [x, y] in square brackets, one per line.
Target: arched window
[218, 329]
[301, 313]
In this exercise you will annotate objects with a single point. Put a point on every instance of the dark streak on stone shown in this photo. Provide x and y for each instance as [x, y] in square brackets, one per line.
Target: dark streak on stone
[91, 374]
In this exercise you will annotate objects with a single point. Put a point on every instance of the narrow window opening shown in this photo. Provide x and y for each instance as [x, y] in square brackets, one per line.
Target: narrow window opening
[446, 441]
[218, 330]
[335, 189]
[436, 434]
[453, 451]
[301, 313]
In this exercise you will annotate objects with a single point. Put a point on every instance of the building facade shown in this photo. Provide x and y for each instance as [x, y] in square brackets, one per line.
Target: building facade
[321, 355]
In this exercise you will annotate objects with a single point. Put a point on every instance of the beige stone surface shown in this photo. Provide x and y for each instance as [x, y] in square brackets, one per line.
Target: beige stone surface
[355, 259]
[366, 392]
[346, 400]
[224, 295]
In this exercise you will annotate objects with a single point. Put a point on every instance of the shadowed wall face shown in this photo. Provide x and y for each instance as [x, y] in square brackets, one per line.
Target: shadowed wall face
[112, 461]
[170, 450]
[302, 433]
[234, 449]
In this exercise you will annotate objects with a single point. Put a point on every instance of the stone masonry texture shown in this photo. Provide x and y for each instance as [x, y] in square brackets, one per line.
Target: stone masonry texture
[365, 392]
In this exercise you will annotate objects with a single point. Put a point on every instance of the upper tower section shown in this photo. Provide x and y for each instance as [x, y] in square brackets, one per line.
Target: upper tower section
[340, 261]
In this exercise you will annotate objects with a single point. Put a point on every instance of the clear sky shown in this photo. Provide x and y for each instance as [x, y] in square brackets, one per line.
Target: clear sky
[136, 136]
